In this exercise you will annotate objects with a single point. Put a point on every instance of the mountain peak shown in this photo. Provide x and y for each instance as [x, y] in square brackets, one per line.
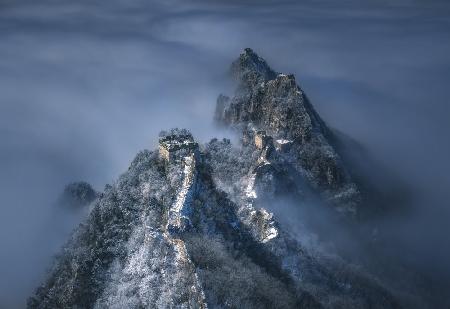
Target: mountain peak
[273, 102]
[251, 68]
[191, 227]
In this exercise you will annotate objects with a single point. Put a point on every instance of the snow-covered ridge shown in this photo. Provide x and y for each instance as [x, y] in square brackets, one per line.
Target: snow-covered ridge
[178, 220]
[266, 229]
[179, 211]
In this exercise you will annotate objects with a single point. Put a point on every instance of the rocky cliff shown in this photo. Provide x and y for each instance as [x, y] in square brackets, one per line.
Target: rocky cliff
[274, 105]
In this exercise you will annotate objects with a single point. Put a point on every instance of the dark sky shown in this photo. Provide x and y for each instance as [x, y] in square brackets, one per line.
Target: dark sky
[86, 84]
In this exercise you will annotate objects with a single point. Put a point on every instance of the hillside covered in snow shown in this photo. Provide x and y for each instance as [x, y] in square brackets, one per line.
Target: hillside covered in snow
[223, 225]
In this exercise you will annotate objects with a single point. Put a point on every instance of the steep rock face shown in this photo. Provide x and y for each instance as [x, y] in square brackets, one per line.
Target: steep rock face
[274, 103]
[186, 226]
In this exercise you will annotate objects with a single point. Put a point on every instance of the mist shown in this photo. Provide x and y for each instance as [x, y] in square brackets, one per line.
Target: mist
[85, 85]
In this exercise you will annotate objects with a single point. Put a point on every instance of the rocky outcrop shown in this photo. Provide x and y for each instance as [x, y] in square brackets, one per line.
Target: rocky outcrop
[274, 104]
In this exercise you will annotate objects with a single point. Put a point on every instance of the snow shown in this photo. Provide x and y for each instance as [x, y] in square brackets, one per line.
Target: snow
[283, 141]
[269, 231]
[184, 194]
[250, 189]
[187, 183]
[272, 232]
[146, 189]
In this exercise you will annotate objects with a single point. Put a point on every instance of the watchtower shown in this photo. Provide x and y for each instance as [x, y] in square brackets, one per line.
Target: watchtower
[176, 145]
[261, 139]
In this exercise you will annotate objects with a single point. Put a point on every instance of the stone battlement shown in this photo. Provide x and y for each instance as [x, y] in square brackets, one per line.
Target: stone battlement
[176, 145]
[261, 139]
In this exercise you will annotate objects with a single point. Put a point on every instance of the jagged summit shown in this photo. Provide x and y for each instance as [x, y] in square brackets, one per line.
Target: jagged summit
[251, 68]
[279, 93]
[275, 103]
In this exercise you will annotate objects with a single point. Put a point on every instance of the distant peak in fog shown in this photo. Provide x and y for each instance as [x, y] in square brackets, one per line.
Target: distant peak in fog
[78, 194]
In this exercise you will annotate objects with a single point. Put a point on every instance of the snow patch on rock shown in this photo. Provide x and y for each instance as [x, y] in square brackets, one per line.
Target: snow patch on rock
[178, 211]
